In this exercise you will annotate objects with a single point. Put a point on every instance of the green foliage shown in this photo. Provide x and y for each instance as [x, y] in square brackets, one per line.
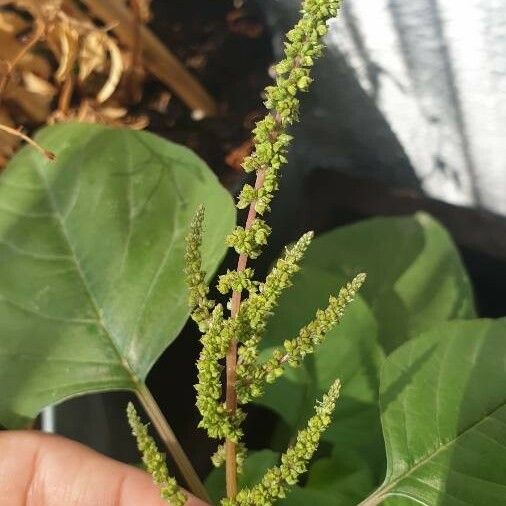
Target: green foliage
[91, 261]
[391, 313]
[154, 461]
[356, 349]
[443, 404]
[81, 314]
[415, 277]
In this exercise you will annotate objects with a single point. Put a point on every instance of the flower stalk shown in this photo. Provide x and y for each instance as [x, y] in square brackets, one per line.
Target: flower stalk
[230, 343]
[271, 142]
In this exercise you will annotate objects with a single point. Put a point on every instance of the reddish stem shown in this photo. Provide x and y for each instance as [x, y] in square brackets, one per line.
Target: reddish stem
[231, 392]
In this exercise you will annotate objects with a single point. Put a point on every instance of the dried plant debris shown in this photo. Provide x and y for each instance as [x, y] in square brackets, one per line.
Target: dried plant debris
[59, 61]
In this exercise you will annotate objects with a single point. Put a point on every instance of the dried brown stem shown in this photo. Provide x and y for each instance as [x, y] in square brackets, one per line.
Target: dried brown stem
[66, 95]
[12, 131]
[136, 50]
[231, 365]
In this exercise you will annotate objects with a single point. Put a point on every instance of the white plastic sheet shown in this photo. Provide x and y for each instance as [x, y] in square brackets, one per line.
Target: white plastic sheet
[431, 100]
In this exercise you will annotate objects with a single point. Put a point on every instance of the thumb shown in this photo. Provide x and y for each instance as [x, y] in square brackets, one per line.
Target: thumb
[46, 470]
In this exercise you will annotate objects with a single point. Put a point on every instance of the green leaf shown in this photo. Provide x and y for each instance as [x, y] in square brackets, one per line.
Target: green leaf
[415, 279]
[415, 276]
[91, 260]
[443, 401]
[344, 474]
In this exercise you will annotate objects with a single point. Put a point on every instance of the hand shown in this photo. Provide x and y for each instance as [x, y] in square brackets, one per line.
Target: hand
[43, 470]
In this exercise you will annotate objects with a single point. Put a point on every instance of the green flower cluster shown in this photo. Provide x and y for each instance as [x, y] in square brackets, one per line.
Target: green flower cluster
[256, 309]
[154, 461]
[277, 480]
[248, 320]
[215, 343]
[219, 458]
[200, 305]
[271, 139]
[249, 241]
[234, 281]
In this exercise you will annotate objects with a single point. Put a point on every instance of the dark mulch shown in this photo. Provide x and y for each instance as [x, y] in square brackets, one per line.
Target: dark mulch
[228, 49]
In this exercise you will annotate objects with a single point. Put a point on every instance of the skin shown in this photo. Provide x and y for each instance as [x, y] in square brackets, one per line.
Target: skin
[44, 470]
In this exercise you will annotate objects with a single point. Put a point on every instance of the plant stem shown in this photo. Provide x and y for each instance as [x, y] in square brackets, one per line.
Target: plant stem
[231, 391]
[168, 437]
[17, 133]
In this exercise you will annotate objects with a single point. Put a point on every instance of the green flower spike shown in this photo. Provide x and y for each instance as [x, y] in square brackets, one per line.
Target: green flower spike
[154, 461]
[199, 304]
[215, 343]
[253, 302]
[314, 332]
[259, 306]
[253, 377]
[277, 480]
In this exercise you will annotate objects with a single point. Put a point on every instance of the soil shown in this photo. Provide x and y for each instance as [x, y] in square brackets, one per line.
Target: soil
[227, 47]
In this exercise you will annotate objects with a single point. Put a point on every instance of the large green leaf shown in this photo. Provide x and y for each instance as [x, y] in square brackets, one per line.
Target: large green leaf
[345, 475]
[443, 401]
[91, 259]
[415, 279]
[415, 276]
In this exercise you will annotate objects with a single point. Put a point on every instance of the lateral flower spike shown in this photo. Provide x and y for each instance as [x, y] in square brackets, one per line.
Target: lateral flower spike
[260, 305]
[277, 481]
[200, 305]
[215, 342]
[252, 379]
[295, 350]
[236, 338]
[154, 461]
